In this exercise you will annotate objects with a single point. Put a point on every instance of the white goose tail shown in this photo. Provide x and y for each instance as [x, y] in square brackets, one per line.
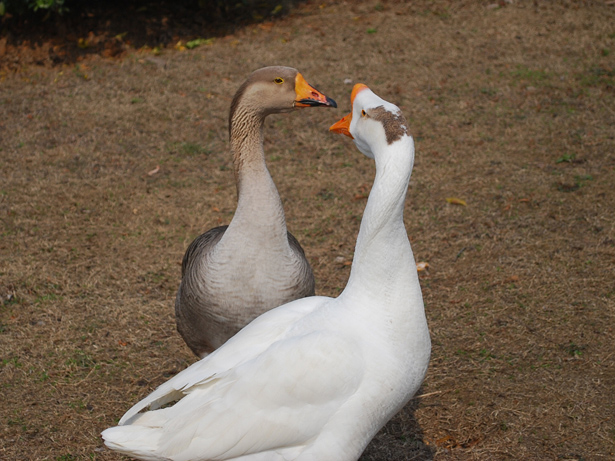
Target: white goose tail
[139, 439]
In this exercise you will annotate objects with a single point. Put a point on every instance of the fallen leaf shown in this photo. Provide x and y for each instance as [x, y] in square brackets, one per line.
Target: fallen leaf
[266, 26]
[511, 279]
[446, 440]
[154, 171]
[422, 266]
[456, 201]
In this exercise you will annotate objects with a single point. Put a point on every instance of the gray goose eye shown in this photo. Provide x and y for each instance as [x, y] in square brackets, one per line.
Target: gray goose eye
[278, 80]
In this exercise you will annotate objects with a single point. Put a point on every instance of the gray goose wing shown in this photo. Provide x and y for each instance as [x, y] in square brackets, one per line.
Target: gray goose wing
[200, 245]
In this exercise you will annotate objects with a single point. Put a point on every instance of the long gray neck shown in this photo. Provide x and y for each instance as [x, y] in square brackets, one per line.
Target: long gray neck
[259, 207]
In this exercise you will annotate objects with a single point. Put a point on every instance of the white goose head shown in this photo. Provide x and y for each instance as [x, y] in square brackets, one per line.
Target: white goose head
[374, 124]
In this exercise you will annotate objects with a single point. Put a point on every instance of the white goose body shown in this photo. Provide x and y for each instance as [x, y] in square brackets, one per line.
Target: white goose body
[232, 274]
[315, 379]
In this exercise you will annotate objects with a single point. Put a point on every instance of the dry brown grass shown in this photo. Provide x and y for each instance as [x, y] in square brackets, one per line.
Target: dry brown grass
[512, 110]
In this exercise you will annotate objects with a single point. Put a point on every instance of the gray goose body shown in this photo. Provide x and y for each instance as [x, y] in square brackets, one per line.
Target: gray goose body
[232, 274]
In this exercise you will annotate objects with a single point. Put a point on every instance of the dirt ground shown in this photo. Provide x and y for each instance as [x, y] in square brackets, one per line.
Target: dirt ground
[111, 164]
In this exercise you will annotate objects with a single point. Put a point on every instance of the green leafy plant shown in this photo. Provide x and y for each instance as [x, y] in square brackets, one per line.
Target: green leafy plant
[22, 6]
[580, 180]
[574, 349]
[57, 5]
[198, 42]
[567, 158]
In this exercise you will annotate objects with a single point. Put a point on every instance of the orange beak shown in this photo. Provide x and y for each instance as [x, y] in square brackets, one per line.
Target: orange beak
[343, 126]
[308, 96]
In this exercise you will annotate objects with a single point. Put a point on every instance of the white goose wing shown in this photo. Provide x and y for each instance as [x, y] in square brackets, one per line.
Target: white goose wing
[280, 397]
[254, 338]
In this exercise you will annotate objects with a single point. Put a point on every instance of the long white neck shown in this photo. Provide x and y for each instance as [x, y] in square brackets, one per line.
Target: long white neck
[259, 207]
[383, 260]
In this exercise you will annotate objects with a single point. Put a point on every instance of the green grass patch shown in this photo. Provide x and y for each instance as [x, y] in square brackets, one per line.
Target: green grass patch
[597, 76]
[566, 158]
[533, 76]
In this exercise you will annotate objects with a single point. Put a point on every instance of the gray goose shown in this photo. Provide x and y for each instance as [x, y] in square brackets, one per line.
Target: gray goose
[232, 274]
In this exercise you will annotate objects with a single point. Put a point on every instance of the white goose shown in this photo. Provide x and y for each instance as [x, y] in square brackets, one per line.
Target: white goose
[232, 274]
[317, 378]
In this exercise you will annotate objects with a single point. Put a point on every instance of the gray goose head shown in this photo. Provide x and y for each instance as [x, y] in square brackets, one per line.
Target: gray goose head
[276, 89]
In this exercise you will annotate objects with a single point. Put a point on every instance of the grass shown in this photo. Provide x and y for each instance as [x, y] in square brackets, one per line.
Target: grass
[533, 76]
[519, 292]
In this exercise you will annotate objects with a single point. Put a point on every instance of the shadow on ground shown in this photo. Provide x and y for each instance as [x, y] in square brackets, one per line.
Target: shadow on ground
[113, 28]
[393, 443]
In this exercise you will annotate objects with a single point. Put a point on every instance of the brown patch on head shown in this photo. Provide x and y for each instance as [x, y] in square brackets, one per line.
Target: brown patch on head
[395, 125]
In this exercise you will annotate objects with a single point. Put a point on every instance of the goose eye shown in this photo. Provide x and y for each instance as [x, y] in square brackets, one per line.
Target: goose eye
[363, 113]
[279, 80]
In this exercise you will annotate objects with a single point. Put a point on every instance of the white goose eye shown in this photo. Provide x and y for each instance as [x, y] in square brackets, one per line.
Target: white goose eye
[363, 113]
[278, 80]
